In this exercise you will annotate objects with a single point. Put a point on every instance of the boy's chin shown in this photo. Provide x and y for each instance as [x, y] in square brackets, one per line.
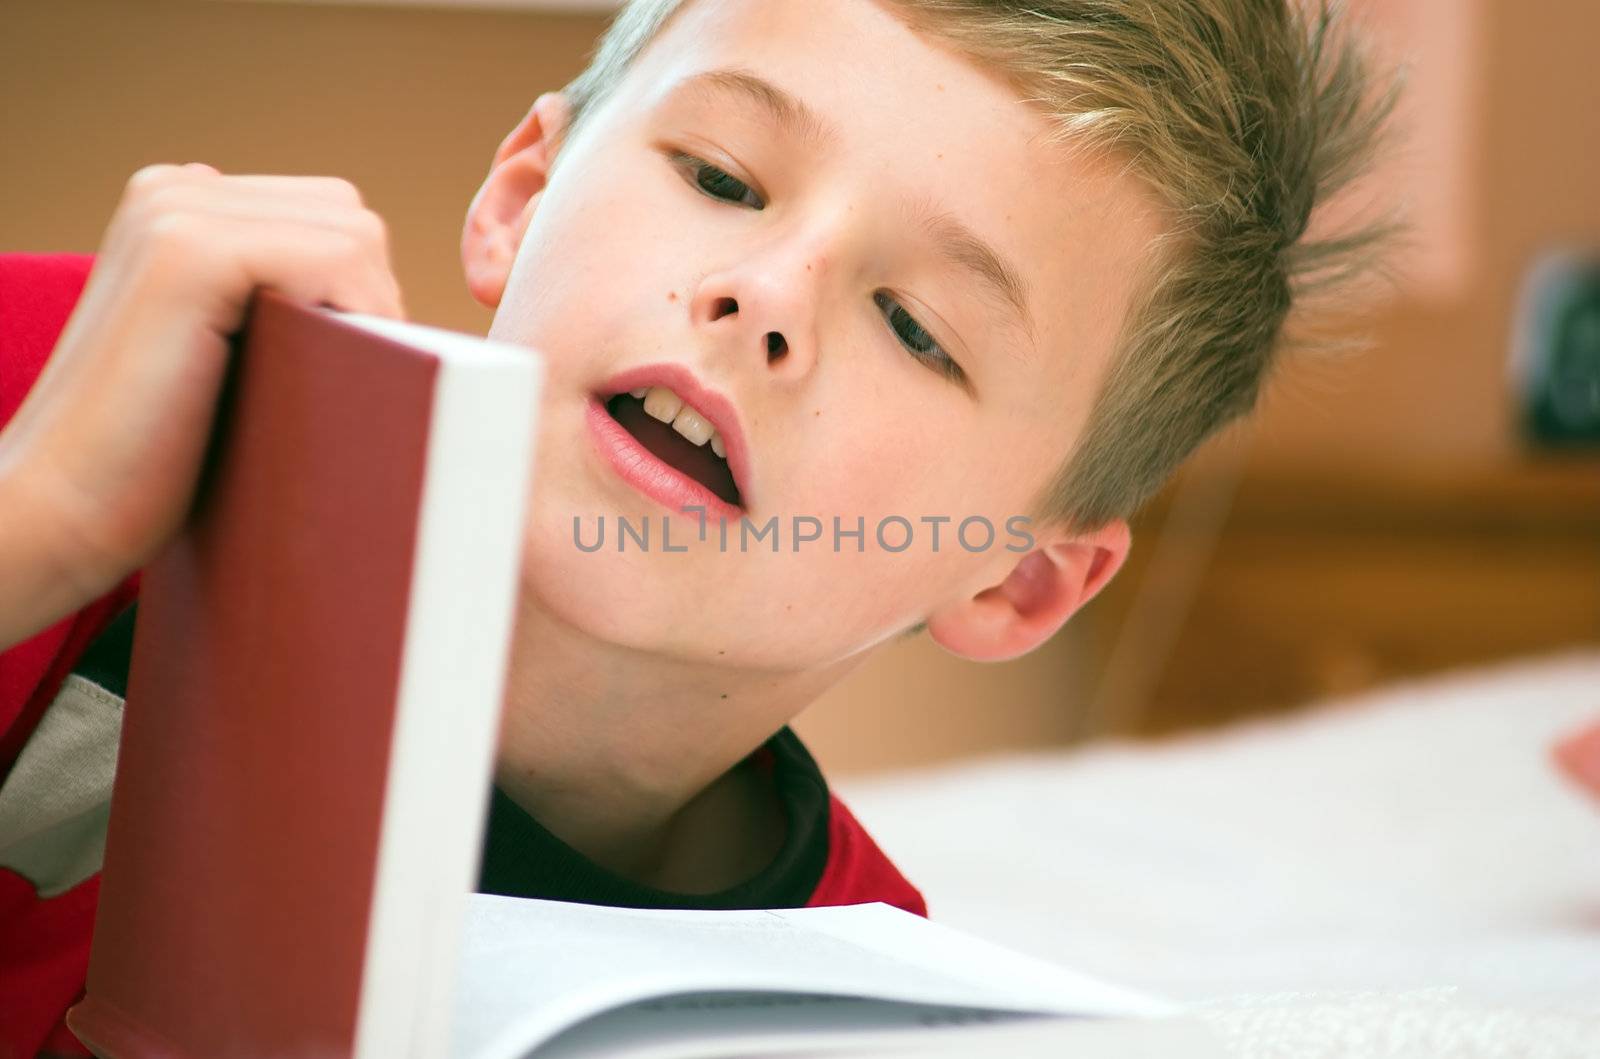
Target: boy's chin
[631, 600]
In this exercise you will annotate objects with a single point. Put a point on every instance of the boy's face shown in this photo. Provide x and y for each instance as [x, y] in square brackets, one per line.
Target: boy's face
[816, 316]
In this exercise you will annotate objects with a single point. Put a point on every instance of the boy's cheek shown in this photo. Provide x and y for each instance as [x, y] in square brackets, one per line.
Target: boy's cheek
[579, 281]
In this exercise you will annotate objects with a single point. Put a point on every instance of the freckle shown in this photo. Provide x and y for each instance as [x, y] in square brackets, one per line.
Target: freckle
[817, 412]
[724, 694]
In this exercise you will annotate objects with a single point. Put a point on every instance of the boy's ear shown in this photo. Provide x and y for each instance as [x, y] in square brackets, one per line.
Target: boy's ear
[500, 211]
[1036, 596]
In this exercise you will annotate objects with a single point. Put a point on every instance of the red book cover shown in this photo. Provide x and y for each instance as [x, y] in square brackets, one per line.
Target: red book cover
[317, 672]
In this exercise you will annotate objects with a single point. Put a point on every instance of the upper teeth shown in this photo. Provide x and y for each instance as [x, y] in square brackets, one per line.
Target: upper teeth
[663, 404]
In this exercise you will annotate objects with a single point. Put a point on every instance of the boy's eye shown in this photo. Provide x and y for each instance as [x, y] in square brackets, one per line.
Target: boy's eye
[716, 183]
[918, 341]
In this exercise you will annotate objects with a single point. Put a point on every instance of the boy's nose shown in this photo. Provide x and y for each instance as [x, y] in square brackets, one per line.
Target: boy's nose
[754, 315]
[777, 345]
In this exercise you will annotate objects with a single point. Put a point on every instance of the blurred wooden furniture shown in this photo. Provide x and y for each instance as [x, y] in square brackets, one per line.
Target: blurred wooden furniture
[1328, 583]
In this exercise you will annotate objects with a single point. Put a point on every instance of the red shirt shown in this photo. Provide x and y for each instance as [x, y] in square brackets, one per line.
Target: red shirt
[44, 940]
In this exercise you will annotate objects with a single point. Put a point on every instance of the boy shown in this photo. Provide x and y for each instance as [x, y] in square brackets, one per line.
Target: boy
[918, 264]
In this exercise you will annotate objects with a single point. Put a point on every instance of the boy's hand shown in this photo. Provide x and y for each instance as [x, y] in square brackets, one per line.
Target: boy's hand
[1578, 756]
[103, 456]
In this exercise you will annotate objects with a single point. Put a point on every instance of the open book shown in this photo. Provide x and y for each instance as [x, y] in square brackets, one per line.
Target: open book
[318, 668]
[546, 979]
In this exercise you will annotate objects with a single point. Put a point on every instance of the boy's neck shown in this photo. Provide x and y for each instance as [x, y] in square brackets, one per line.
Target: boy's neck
[630, 758]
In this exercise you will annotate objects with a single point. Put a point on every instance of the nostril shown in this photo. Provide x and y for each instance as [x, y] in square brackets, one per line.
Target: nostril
[724, 307]
[776, 347]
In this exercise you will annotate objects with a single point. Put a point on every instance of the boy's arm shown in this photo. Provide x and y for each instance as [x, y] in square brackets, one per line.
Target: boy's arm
[41, 586]
[98, 465]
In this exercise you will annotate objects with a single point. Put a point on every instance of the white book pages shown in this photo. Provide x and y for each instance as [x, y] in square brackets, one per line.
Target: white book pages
[549, 978]
[458, 628]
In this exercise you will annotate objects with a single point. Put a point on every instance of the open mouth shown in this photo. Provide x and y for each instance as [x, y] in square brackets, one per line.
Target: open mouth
[668, 444]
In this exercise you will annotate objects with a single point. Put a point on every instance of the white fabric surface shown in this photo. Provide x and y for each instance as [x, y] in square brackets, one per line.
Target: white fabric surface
[1400, 873]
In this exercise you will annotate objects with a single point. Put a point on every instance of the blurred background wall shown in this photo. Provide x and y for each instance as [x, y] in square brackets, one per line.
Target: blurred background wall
[1380, 518]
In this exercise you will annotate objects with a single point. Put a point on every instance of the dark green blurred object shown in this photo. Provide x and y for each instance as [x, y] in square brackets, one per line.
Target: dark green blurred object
[1555, 356]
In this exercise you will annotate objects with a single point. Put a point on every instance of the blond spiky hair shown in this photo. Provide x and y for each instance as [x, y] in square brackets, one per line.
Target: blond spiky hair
[1241, 116]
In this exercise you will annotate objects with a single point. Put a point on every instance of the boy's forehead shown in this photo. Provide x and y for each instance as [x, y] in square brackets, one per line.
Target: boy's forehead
[853, 64]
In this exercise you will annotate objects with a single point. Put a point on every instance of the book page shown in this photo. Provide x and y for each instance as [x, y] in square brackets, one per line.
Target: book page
[711, 1025]
[532, 968]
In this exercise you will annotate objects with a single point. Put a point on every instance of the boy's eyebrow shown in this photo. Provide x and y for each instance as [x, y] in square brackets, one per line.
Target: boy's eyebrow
[791, 114]
[965, 249]
[957, 243]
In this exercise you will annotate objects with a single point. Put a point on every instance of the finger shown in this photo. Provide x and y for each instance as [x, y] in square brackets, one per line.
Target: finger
[344, 265]
[1578, 755]
[283, 204]
[330, 188]
[347, 268]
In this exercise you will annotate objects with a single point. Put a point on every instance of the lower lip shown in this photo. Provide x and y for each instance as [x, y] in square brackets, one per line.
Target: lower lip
[646, 472]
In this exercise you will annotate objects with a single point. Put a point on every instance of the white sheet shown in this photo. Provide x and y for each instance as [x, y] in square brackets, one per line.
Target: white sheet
[1400, 873]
